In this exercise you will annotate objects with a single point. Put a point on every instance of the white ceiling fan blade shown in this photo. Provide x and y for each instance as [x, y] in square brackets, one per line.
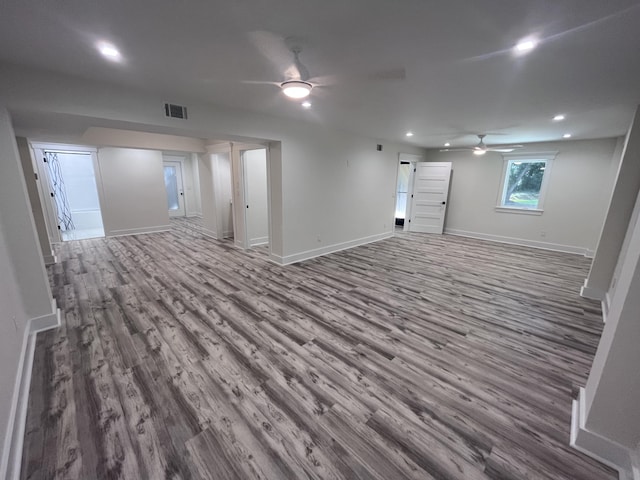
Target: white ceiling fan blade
[273, 48]
[467, 149]
[390, 74]
[504, 148]
[293, 73]
[259, 82]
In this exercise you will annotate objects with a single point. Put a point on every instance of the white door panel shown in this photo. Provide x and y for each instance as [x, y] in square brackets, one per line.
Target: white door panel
[429, 198]
[257, 211]
[174, 187]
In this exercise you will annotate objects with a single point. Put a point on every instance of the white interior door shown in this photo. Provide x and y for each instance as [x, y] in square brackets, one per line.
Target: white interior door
[47, 197]
[240, 237]
[174, 187]
[256, 197]
[429, 196]
[249, 172]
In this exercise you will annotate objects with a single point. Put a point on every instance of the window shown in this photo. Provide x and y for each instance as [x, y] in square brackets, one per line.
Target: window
[524, 181]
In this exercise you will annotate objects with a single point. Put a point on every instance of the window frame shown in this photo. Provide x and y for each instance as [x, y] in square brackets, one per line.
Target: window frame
[548, 158]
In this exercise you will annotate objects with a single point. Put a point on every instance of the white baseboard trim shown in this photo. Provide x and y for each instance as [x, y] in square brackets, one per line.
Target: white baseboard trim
[276, 258]
[14, 440]
[591, 293]
[50, 259]
[254, 242]
[556, 247]
[138, 231]
[336, 247]
[227, 233]
[194, 214]
[208, 233]
[598, 447]
[589, 253]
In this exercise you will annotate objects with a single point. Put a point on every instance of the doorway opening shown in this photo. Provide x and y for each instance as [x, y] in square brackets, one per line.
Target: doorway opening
[402, 192]
[74, 212]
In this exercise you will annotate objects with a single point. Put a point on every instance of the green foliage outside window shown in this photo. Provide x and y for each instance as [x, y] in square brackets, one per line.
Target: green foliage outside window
[522, 188]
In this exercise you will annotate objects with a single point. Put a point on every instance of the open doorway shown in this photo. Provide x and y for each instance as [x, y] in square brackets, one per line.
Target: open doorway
[402, 191]
[73, 210]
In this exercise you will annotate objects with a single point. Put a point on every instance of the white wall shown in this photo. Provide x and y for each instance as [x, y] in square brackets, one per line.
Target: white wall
[614, 227]
[255, 172]
[613, 387]
[24, 288]
[225, 196]
[34, 198]
[332, 189]
[134, 199]
[606, 417]
[192, 186]
[624, 249]
[115, 137]
[13, 321]
[20, 232]
[337, 189]
[274, 178]
[207, 200]
[574, 207]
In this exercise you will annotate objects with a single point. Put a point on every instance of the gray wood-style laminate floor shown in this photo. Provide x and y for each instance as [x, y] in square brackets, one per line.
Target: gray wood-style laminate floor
[420, 356]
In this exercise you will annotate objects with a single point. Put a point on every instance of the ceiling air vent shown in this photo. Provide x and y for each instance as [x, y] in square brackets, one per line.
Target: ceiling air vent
[175, 111]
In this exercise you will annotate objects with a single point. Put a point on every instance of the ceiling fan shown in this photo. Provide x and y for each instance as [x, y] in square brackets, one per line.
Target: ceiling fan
[297, 83]
[481, 148]
[298, 86]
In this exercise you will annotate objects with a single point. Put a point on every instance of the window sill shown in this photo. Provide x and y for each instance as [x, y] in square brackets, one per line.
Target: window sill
[521, 211]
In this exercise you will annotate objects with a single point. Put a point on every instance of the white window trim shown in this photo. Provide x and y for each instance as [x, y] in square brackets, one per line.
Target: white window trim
[548, 157]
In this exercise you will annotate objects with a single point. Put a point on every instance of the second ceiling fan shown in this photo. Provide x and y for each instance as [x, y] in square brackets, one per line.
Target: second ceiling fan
[481, 148]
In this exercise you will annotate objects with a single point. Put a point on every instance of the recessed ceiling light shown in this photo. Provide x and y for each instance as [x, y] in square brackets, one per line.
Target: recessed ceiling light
[409, 134]
[566, 135]
[559, 118]
[306, 104]
[525, 46]
[296, 88]
[447, 144]
[109, 51]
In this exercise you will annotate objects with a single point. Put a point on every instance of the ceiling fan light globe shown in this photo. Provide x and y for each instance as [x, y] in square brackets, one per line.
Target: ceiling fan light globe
[296, 89]
[479, 151]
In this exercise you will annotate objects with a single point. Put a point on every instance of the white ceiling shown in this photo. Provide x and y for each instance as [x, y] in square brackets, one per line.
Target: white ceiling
[461, 75]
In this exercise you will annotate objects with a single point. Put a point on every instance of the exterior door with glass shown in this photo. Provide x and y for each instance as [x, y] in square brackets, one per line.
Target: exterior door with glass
[429, 196]
[173, 185]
